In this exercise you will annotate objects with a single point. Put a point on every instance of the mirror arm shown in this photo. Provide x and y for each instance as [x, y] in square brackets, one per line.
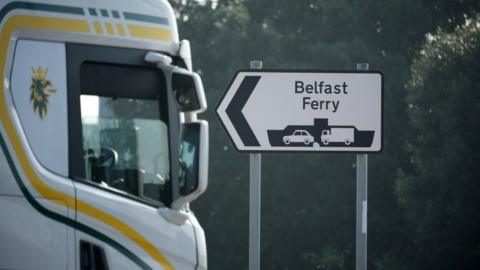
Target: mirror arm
[185, 53]
[158, 58]
[174, 216]
[190, 117]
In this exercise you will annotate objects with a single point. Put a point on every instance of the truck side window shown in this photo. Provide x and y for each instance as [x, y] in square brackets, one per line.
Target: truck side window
[125, 129]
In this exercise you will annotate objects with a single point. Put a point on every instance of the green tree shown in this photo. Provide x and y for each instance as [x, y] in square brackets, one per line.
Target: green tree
[308, 207]
[440, 191]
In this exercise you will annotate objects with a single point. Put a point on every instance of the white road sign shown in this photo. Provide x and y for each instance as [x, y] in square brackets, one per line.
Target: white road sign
[265, 110]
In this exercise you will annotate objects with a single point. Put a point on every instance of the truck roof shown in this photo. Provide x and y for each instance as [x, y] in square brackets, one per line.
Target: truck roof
[143, 24]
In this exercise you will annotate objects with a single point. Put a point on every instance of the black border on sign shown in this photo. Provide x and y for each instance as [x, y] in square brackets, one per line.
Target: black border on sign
[305, 71]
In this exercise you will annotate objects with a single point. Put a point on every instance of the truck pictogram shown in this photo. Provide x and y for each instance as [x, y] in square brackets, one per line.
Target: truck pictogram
[345, 135]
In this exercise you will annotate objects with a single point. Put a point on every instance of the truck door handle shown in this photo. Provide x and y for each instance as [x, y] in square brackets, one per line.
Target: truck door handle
[92, 257]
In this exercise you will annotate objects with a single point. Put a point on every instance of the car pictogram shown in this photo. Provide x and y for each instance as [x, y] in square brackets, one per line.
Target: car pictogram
[299, 136]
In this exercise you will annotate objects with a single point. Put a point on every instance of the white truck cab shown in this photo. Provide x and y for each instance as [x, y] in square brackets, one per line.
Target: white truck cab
[101, 148]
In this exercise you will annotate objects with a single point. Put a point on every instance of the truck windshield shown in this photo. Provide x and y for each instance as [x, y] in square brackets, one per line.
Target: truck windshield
[125, 131]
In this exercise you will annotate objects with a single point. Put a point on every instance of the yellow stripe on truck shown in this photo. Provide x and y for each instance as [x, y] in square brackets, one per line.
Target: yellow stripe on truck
[109, 28]
[98, 28]
[126, 231]
[120, 29]
[66, 25]
[18, 22]
[148, 32]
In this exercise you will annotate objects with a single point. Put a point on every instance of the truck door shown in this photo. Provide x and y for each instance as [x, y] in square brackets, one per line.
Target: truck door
[37, 200]
[123, 123]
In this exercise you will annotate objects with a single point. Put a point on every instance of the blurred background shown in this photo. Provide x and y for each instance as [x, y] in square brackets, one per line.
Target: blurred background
[424, 188]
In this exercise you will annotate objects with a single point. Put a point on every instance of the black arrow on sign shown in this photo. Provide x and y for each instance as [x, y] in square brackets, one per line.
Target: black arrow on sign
[234, 110]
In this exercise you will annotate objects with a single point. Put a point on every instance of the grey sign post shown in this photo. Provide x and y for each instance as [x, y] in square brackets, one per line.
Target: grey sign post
[255, 201]
[362, 199]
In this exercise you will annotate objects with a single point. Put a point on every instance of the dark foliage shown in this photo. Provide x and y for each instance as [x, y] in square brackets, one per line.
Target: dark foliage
[441, 193]
[308, 206]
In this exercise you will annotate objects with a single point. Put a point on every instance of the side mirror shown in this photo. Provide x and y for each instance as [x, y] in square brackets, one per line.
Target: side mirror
[193, 162]
[186, 85]
[187, 88]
